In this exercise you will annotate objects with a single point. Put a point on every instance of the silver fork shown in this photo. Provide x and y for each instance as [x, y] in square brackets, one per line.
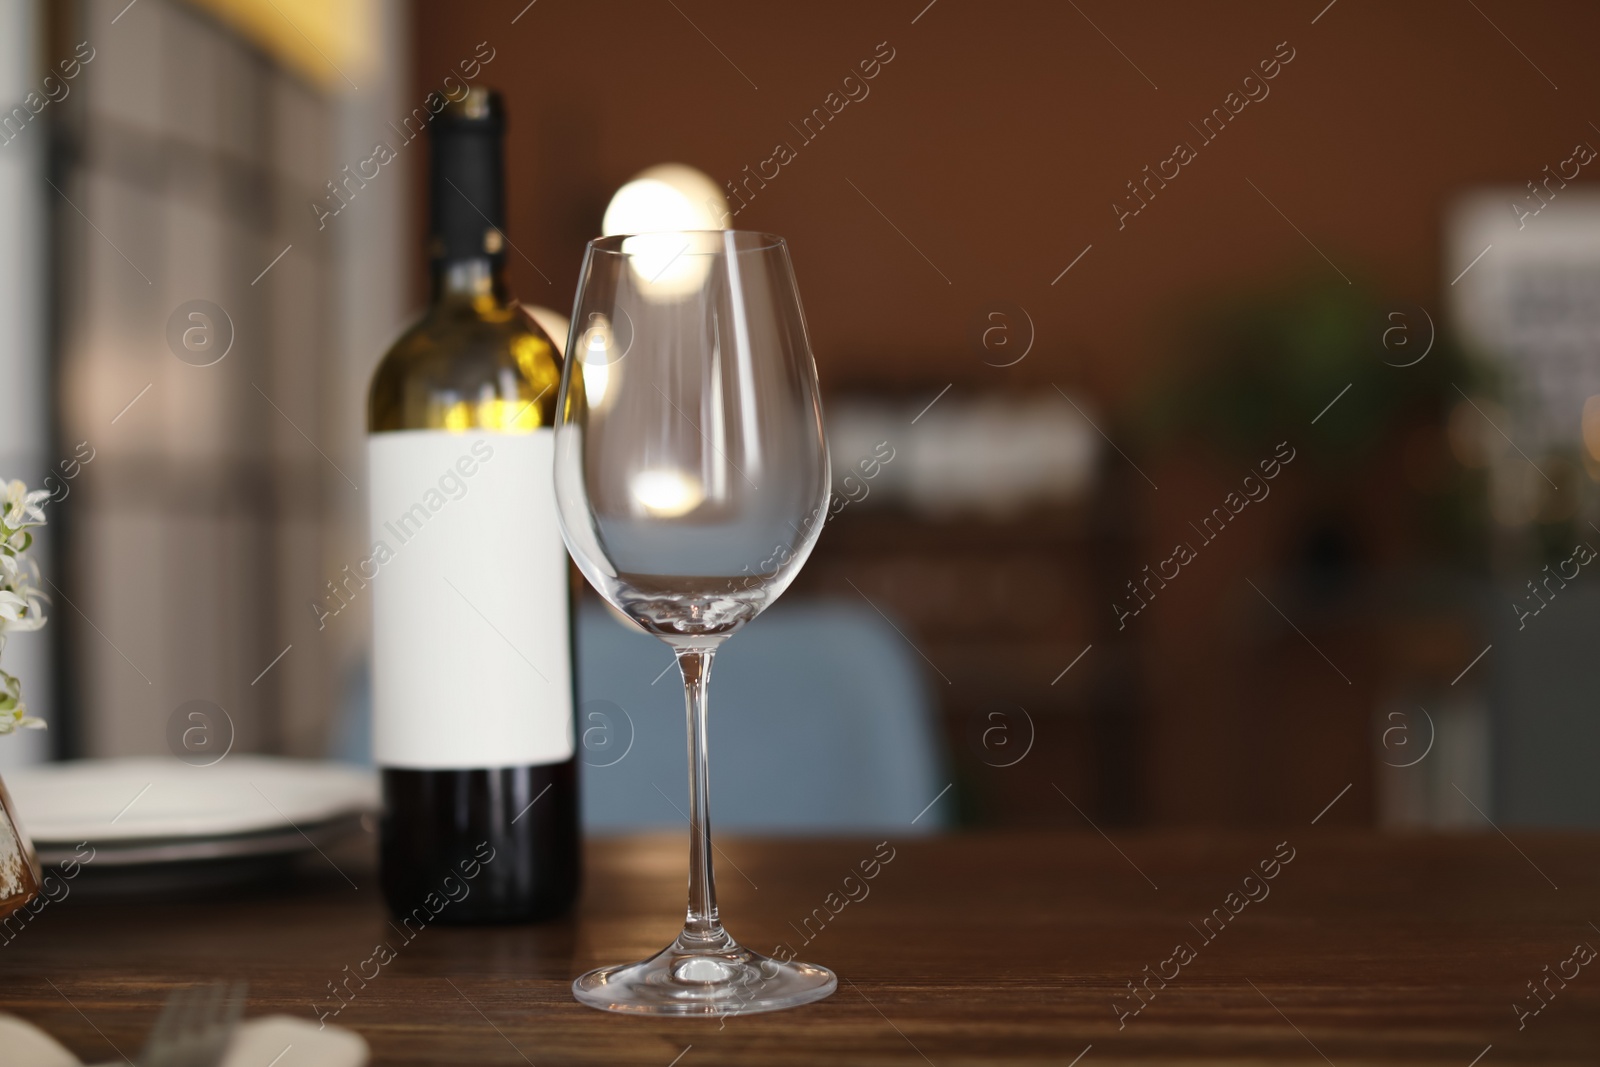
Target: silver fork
[195, 1026]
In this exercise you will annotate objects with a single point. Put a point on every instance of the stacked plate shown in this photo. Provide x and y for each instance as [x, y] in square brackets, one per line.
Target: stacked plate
[153, 812]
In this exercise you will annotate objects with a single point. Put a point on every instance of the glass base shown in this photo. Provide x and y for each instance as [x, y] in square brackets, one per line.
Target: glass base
[688, 978]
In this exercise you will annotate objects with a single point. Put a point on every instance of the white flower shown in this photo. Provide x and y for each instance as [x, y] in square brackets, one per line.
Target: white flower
[19, 511]
[19, 614]
[12, 606]
[20, 601]
[13, 712]
[16, 719]
[22, 507]
[20, 607]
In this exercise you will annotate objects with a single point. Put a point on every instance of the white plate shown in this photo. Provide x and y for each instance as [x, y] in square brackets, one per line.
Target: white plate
[127, 800]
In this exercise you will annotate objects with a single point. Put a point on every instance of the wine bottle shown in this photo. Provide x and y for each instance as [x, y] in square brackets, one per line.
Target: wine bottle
[473, 726]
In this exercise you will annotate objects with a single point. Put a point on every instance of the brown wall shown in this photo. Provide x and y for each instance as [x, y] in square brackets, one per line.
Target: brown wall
[999, 136]
[997, 140]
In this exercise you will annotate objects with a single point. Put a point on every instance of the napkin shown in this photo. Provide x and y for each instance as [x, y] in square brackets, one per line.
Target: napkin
[23, 1044]
[278, 1039]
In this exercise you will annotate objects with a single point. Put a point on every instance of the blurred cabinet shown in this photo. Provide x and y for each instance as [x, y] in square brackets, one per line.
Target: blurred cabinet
[997, 610]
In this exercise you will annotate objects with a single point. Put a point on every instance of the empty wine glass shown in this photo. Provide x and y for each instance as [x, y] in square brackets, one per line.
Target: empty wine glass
[692, 480]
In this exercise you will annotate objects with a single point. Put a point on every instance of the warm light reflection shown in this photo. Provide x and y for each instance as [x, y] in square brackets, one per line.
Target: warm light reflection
[1591, 426]
[667, 493]
[491, 412]
[668, 197]
[516, 414]
[553, 323]
[327, 42]
[666, 266]
[596, 355]
[453, 415]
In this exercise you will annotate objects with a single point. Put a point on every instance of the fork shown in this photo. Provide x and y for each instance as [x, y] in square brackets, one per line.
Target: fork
[195, 1026]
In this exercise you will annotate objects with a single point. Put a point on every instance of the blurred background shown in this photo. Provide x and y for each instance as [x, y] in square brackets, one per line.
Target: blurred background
[1212, 389]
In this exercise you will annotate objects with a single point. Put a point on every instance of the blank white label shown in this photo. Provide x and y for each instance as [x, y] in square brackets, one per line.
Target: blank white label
[471, 638]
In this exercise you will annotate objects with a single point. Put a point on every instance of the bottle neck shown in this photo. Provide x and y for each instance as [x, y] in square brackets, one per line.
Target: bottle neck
[476, 280]
[467, 197]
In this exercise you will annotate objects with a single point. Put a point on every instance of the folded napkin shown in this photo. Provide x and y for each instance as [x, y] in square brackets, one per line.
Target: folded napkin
[277, 1039]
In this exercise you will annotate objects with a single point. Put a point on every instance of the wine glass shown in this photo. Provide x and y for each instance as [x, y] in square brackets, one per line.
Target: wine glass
[692, 481]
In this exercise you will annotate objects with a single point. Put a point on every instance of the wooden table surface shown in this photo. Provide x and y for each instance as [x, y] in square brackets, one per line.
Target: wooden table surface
[963, 950]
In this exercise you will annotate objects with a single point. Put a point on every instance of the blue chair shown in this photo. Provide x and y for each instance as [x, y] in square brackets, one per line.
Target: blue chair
[820, 722]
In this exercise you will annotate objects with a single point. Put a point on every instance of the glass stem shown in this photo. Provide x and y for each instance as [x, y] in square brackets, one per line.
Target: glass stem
[702, 929]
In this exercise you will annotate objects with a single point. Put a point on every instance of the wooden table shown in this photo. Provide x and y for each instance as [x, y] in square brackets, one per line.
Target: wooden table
[964, 950]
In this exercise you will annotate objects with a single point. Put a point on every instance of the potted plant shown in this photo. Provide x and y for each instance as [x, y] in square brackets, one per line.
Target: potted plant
[20, 609]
